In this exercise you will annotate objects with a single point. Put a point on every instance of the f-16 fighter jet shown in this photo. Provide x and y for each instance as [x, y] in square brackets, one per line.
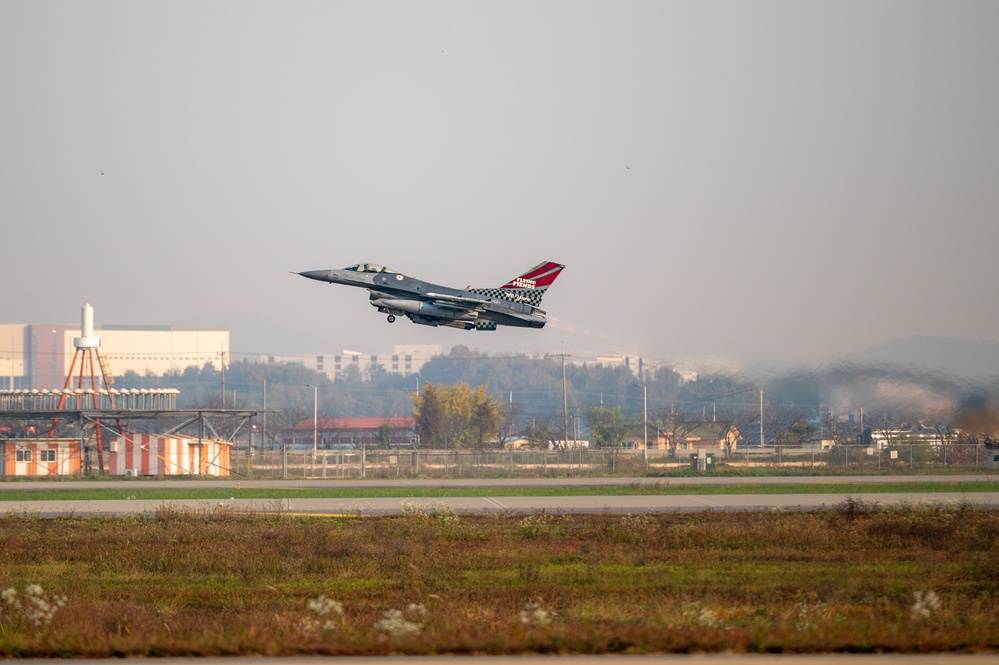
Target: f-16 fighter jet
[516, 303]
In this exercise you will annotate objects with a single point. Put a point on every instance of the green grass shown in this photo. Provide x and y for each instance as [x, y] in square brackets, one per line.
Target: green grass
[497, 491]
[838, 580]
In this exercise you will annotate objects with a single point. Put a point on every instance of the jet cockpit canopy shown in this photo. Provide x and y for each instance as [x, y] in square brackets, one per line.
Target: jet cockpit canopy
[368, 267]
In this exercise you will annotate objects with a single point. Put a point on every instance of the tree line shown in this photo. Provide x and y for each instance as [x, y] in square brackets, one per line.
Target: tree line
[507, 396]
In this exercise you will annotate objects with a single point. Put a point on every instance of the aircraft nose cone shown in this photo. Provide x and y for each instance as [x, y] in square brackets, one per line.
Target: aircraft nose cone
[321, 275]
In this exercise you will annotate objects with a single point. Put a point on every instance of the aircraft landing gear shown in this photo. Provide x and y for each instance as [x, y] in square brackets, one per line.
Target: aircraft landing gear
[391, 318]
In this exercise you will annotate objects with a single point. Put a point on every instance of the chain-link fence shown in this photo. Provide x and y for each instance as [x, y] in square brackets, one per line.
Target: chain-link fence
[380, 463]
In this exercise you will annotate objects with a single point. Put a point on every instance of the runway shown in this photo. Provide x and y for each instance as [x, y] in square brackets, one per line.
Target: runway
[661, 481]
[642, 503]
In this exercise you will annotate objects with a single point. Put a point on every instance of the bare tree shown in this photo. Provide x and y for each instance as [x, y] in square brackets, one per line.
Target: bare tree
[841, 432]
[675, 423]
[284, 420]
[329, 430]
[542, 432]
[779, 419]
[742, 419]
[887, 426]
[508, 419]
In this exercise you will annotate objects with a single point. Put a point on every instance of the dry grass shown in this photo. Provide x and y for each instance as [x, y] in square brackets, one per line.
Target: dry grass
[435, 582]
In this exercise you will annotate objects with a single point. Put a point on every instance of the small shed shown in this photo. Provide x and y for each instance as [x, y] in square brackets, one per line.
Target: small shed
[39, 457]
[991, 452]
[153, 455]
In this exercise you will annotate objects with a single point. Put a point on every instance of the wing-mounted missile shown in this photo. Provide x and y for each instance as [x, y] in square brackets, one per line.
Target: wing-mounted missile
[424, 309]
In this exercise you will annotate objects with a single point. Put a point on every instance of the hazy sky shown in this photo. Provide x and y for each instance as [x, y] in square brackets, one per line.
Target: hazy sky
[788, 181]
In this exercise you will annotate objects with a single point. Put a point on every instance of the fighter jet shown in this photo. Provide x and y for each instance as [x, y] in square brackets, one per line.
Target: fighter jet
[516, 303]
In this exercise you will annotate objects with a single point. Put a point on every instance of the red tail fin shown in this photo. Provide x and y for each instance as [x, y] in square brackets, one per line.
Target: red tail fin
[529, 287]
[540, 276]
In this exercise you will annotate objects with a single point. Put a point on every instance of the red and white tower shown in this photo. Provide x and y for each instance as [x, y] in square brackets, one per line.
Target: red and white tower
[87, 348]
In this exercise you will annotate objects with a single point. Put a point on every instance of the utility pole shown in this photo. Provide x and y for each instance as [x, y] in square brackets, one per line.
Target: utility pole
[762, 442]
[565, 403]
[510, 426]
[645, 419]
[315, 421]
[222, 354]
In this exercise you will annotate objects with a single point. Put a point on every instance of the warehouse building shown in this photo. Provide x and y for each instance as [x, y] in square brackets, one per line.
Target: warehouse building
[40, 356]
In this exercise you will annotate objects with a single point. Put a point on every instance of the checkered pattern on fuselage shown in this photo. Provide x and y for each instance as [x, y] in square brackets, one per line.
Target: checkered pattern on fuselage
[530, 296]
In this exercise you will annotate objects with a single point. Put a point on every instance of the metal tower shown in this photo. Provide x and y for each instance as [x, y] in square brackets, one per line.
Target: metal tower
[86, 348]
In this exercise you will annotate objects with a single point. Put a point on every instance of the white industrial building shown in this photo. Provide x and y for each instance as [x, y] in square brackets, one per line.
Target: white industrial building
[405, 359]
[39, 356]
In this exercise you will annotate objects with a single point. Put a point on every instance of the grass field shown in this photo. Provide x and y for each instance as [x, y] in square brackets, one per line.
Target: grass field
[857, 578]
[132, 491]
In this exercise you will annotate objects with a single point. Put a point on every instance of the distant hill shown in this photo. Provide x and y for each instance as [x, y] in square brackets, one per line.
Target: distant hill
[973, 359]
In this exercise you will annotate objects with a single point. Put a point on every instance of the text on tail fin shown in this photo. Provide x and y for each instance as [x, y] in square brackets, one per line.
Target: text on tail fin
[527, 288]
[540, 276]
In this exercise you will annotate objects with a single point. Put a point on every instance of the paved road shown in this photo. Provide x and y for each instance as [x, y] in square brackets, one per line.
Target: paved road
[487, 504]
[506, 504]
[145, 483]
